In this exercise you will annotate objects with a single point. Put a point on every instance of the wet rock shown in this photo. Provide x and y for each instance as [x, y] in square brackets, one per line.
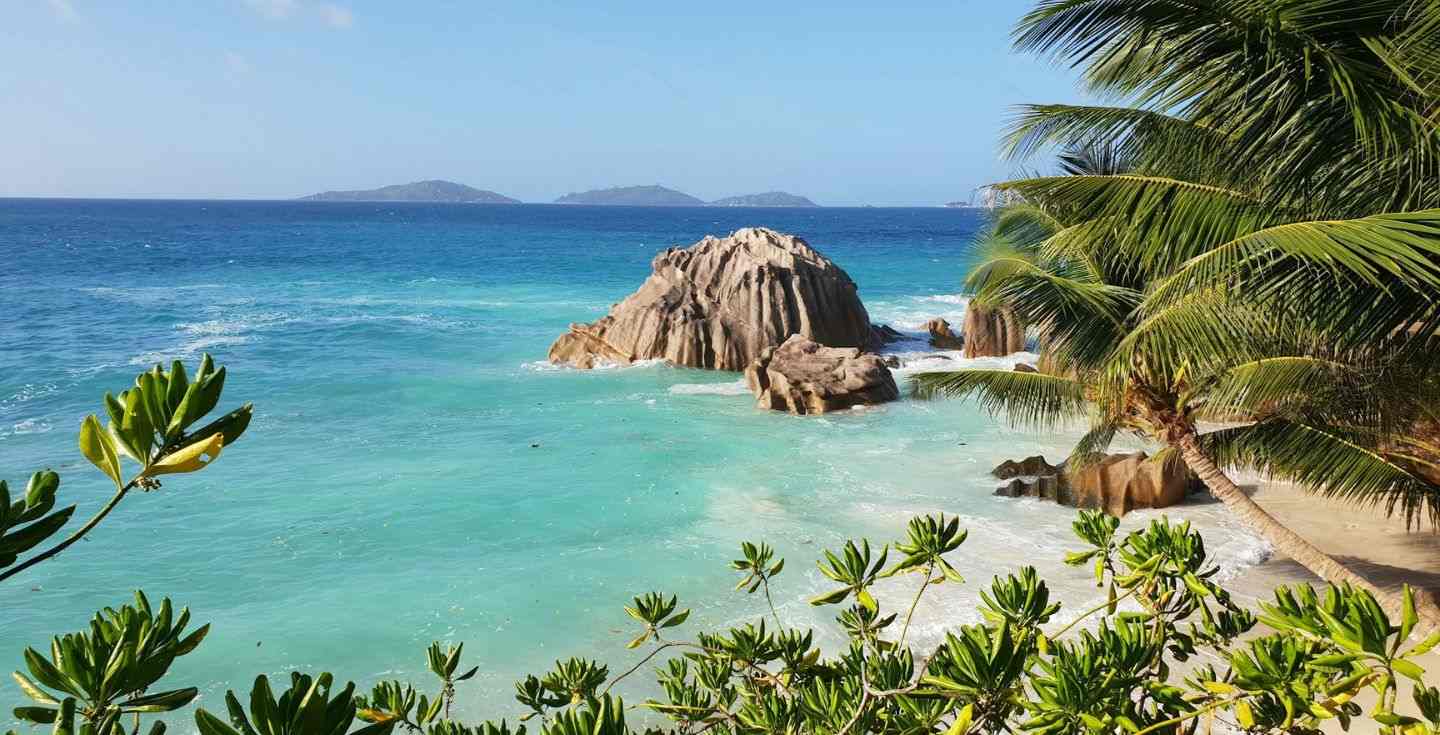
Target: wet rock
[881, 335]
[803, 377]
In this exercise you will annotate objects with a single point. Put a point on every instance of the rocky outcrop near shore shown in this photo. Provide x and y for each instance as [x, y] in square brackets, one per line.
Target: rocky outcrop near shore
[723, 301]
[803, 377]
[991, 331]
[1117, 483]
[941, 337]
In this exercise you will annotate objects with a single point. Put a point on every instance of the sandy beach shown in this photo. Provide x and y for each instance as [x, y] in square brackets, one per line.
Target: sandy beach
[1379, 548]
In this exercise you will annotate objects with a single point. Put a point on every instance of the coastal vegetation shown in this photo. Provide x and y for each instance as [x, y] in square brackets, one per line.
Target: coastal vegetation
[1112, 668]
[1241, 259]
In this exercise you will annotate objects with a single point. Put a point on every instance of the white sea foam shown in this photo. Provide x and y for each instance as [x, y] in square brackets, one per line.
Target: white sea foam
[545, 366]
[31, 426]
[926, 361]
[910, 313]
[29, 392]
[737, 388]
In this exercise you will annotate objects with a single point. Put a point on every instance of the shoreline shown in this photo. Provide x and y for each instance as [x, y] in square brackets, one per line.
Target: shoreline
[1381, 549]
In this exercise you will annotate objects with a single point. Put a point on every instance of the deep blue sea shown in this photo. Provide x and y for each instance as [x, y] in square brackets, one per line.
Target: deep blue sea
[416, 471]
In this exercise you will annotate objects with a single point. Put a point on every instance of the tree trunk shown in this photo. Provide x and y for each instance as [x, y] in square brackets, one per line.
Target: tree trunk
[1290, 543]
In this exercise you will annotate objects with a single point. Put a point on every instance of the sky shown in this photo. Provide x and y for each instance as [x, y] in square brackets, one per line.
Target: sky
[849, 103]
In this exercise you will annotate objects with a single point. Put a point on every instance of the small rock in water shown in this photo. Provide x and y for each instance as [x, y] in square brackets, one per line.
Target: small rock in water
[941, 336]
[804, 377]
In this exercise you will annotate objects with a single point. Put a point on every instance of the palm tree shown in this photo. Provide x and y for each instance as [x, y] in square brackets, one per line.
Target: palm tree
[1254, 239]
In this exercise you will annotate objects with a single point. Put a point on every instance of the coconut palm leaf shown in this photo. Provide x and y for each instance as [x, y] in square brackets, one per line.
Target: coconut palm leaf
[1024, 224]
[1379, 251]
[1111, 140]
[1033, 400]
[1092, 447]
[1272, 385]
[1329, 460]
[1167, 221]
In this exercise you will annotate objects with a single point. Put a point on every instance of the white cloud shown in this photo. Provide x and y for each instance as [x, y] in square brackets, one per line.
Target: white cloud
[237, 64]
[64, 10]
[337, 16]
[273, 9]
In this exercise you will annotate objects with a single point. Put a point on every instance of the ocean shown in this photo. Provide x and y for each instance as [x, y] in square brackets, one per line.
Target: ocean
[417, 471]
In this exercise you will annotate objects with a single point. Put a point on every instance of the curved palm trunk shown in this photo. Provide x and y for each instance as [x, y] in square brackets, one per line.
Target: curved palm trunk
[1288, 542]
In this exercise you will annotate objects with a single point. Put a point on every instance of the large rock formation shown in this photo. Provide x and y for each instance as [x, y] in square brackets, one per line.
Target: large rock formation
[803, 377]
[992, 332]
[721, 302]
[941, 336]
[1117, 483]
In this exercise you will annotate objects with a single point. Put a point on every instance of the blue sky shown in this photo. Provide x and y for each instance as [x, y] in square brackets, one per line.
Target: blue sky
[849, 103]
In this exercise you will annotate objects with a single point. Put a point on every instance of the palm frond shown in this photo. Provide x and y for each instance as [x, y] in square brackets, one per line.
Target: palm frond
[1033, 400]
[1091, 447]
[1276, 384]
[1166, 221]
[1329, 460]
[1024, 224]
[1374, 251]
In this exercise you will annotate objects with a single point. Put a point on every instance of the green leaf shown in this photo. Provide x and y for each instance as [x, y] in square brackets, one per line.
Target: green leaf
[27, 537]
[47, 674]
[33, 691]
[832, 597]
[230, 426]
[1409, 669]
[161, 702]
[37, 715]
[209, 724]
[99, 447]
[1408, 616]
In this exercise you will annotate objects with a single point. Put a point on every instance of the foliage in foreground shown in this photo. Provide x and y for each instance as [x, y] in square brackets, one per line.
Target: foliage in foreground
[1109, 670]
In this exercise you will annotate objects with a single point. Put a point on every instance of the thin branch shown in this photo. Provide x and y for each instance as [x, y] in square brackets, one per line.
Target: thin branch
[905, 630]
[90, 524]
[1090, 612]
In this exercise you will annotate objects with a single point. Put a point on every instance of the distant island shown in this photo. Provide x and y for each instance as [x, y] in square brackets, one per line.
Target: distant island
[642, 196]
[766, 199]
[659, 196]
[433, 190]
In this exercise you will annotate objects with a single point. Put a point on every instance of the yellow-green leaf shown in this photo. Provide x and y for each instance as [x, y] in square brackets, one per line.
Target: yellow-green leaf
[867, 600]
[1244, 716]
[99, 447]
[962, 721]
[193, 457]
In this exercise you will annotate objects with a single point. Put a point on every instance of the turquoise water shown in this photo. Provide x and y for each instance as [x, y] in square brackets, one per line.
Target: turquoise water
[416, 471]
